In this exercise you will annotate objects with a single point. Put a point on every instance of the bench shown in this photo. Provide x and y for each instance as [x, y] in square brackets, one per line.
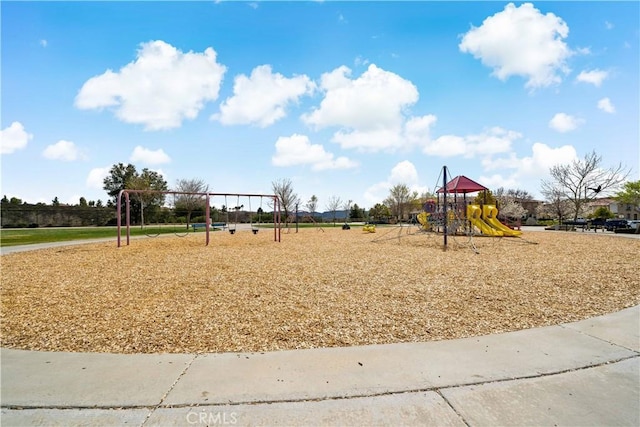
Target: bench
[213, 225]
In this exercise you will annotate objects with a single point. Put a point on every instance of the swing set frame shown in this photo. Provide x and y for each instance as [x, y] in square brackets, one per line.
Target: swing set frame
[277, 227]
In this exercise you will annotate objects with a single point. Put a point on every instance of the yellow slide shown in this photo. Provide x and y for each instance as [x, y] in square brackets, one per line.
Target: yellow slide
[473, 215]
[489, 215]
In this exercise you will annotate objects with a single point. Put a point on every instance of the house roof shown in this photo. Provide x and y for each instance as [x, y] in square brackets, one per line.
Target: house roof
[462, 184]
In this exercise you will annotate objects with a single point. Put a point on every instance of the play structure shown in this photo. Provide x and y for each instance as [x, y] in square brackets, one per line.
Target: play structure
[450, 214]
[206, 200]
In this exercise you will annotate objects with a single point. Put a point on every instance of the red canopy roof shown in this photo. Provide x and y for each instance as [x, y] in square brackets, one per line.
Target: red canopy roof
[462, 184]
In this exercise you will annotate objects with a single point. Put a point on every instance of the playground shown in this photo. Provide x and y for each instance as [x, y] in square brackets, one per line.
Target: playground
[247, 292]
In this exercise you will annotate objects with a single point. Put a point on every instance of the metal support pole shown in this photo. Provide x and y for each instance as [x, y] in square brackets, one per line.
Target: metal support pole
[207, 214]
[119, 214]
[128, 216]
[445, 205]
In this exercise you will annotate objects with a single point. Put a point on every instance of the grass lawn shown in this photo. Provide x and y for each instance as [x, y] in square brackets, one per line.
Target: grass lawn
[28, 236]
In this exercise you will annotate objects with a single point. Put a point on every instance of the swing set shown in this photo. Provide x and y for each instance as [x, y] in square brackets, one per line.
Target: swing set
[208, 226]
[237, 208]
[157, 229]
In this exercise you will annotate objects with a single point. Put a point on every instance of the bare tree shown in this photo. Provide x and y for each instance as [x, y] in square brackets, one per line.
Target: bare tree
[312, 204]
[555, 208]
[347, 209]
[190, 202]
[582, 181]
[288, 198]
[332, 205]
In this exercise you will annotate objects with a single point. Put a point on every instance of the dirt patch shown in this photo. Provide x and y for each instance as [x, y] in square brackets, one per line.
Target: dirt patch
[246, 292]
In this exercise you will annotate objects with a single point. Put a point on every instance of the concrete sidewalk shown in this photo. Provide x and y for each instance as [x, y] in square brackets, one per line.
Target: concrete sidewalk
[583, 373]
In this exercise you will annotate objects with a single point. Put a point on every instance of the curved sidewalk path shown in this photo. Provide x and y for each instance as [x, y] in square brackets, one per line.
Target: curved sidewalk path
[583, 373]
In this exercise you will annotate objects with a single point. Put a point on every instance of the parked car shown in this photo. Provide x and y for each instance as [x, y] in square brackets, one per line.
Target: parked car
[613, 224]
[633, 223]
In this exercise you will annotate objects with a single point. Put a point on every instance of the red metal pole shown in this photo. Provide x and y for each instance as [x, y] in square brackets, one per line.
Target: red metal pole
[128, 216]
[119, 214]
[207, 214]
[279, 219]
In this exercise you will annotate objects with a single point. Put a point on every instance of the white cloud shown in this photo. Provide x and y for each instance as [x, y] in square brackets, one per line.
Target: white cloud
[151, 157]
[521, 41]
[608, 25]
[369, 140]
[374, 100]
[562, 122]
[298, 150]
[62, 150]
[528, 170]
[262, 98]
[605, 105]
[492, 141]
[496, 181]
[43, 43]
[594, 77]
[159, 90]
[417, 130]
[404, 172]
[369, 110]
[14, 138]
[96, 177]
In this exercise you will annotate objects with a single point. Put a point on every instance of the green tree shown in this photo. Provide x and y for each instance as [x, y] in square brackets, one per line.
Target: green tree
[123, 177]
[55, 201]
[119, 178]
[83, 202]
[5, 200]
[583, 180]
[400, 199]
[485, 197]
[152, 199]
[602, 212]
[630, 194]
[380, 212]
[356, 212]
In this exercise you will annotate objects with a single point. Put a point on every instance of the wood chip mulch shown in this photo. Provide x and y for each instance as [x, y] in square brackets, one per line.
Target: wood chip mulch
[246, 292]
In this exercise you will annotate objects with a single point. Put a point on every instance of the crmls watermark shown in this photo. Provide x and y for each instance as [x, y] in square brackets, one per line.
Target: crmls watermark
[219, 418]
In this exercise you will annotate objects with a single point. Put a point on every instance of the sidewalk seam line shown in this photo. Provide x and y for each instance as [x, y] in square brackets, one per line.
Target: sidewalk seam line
[568, 326]
[453, 408]
[162, 399]
[318, 399]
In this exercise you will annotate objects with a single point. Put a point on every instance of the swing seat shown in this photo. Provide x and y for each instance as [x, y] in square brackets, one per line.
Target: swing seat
[254, 230]
[232, 230]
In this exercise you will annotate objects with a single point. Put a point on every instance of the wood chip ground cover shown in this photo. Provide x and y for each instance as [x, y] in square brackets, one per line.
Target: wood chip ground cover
[246, 292]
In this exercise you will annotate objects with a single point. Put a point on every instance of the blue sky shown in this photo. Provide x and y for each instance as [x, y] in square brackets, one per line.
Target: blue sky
[345, 99]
